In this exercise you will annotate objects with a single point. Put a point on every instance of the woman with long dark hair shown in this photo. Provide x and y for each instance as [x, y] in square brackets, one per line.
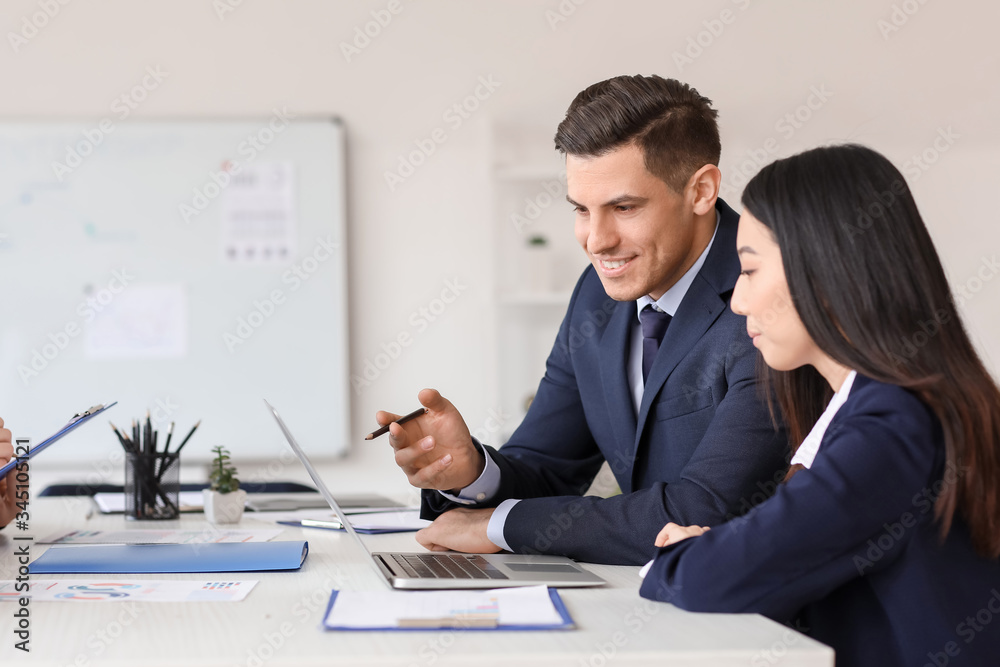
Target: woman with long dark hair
[883, 542]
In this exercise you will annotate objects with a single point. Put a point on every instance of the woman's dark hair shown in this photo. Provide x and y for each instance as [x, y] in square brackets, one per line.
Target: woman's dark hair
[670, 121]
[868, 286]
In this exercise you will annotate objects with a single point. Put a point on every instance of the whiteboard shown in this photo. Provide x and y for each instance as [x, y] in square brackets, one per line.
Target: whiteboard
[189, 268]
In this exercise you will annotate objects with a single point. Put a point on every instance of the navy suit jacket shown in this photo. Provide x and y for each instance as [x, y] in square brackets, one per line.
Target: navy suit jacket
[702, 450]
[848, 551]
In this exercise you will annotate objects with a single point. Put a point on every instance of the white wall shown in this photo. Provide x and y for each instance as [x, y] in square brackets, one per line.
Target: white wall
[895, 91]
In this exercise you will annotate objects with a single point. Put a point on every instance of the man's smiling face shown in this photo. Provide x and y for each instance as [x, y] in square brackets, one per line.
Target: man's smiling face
[638, 233]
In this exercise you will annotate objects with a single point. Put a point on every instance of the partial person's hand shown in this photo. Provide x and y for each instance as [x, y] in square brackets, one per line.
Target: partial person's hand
[435, 450]
[8, 499]
[672, 534]
[459, 530]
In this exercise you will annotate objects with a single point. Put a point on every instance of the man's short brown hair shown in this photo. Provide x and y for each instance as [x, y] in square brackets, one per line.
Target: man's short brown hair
[670, 121]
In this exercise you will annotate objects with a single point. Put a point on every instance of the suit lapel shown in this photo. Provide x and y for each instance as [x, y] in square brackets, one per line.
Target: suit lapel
[614, 351]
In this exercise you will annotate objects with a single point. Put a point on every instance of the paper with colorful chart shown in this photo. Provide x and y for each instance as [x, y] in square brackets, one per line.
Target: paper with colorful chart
[102, 590]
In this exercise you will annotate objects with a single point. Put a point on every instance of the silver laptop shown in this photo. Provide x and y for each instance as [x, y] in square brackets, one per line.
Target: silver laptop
[426, 570]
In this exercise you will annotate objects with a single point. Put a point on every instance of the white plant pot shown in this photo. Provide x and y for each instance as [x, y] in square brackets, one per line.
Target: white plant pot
[224, 507]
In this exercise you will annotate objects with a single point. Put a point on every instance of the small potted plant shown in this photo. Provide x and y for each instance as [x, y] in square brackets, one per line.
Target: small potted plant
[224, 500]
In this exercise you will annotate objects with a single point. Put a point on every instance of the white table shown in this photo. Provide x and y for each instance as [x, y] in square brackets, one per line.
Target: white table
[278, 624]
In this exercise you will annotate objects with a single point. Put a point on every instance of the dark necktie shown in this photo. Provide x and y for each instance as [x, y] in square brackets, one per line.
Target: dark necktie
[654, 325]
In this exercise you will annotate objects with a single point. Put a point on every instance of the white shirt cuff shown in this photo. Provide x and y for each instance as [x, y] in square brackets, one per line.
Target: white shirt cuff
[494, 530]
[485, 486]
[645, 569]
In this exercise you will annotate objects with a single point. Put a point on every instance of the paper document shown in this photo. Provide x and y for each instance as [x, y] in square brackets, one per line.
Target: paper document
[530, 606]
[147, 321]
[52, 590]
[379, 521]
[114, 503]
[259, 216]
[206, 536]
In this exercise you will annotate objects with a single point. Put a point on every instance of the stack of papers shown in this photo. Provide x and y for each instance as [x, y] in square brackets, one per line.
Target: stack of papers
[114, 503]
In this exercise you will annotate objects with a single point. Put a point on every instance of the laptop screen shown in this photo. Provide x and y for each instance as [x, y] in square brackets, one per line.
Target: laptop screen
[325, 492]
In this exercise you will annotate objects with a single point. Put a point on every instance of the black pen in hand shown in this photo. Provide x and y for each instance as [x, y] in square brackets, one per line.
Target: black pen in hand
[402, 420]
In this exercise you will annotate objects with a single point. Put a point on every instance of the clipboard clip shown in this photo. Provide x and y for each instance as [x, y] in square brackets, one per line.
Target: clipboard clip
[86, 413]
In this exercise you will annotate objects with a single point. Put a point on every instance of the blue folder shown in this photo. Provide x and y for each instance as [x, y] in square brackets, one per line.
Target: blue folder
[150, 558]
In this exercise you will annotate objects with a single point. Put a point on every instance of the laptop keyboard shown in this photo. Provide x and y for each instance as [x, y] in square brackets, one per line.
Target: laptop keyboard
[447, 566]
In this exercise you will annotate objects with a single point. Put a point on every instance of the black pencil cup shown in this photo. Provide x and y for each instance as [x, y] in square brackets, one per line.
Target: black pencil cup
[152, 486]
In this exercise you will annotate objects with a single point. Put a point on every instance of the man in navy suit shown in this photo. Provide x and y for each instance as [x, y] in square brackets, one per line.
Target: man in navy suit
[651, 371]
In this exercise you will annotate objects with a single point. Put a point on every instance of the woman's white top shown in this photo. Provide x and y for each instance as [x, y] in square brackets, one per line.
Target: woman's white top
[806, 452]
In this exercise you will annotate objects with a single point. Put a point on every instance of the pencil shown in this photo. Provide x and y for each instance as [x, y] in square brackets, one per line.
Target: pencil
[121, 438]
[188, 437]
[402, 420]
[170, 434]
